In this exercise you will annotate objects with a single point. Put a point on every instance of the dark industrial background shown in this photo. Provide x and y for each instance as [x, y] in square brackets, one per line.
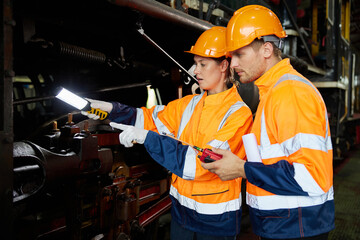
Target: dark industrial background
[63, 176]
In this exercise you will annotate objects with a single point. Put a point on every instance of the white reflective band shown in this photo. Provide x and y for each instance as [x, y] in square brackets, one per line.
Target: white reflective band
[159, 125]
[264, 138]
[190, 164]
[189, 110]
[236, 106]
[274, 202]
[139, 122]
[294, 144]
[188, 113]
[328, 143]
[206, 208]
[219, 144]
[306, 181]
[305, 140]
[286, 77]
[271, 151]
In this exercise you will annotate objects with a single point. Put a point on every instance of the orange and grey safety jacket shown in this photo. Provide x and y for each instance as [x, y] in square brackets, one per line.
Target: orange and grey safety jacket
[201, 202]
[290, 194]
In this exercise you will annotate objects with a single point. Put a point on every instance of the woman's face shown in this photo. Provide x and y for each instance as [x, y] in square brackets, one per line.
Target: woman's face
[210, 74]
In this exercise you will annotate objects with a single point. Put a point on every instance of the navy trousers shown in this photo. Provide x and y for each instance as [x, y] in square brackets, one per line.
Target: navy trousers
[177, 232]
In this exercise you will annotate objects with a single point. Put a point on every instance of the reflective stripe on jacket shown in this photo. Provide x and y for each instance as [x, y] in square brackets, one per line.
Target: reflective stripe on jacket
[290, 193]
[201, 201]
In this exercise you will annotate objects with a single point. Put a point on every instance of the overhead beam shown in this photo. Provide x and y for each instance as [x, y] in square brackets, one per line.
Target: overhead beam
[163, 12]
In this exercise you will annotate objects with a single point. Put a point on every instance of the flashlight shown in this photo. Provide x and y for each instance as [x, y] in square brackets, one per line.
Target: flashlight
[80, 103]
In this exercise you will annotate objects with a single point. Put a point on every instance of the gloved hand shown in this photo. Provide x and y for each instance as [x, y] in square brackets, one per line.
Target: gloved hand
[130, 134]
[105, 106]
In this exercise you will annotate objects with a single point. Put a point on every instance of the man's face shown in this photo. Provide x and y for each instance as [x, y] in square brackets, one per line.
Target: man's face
[248, 63]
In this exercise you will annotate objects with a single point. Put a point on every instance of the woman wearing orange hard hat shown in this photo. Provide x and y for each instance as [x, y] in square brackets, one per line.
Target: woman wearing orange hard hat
[203, 206]
[290, 188]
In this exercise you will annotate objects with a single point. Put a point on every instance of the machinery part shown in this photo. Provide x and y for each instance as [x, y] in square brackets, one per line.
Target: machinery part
[293, 21]
[154, 211]
[141, 31]
[161, 11]
[80, 53]
[83, 54]
[42, 166]
[217, 4]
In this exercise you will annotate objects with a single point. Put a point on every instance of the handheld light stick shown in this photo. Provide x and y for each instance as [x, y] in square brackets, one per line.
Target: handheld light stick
[80, 103]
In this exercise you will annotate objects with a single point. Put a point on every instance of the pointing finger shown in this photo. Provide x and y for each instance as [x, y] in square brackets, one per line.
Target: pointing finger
[119, 126]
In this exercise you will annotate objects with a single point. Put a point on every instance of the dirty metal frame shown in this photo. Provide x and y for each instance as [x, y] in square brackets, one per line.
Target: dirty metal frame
[6, 118]
[293, 21]
[163, 12]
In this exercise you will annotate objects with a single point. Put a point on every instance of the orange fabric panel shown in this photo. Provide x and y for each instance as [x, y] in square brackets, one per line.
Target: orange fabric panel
[306, 115]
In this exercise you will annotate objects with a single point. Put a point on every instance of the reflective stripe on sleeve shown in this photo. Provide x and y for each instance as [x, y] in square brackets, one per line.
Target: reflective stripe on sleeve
[159, 125]
[292, 145]
[300, 79]
[274, 202]
[306, 181]
[206, 208]
[304, 140]
[139, 123]
[190, 164]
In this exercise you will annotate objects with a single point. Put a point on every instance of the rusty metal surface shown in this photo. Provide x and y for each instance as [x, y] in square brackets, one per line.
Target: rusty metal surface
[78, 184]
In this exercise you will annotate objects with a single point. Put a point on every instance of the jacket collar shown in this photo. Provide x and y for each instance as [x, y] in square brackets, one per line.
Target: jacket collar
[220, 98]
[268, 79]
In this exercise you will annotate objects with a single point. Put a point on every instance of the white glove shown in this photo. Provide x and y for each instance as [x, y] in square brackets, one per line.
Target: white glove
[105, 106]
[130, 134]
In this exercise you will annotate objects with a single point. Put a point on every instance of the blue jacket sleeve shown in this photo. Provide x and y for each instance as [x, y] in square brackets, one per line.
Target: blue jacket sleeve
[276, 178]
[167, 152]
[122, 113]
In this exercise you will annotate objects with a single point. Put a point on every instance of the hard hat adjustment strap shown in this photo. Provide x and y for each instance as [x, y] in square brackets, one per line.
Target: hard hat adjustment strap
[279, 42]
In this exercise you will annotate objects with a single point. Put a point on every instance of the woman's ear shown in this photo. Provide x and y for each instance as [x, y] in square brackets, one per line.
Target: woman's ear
[224, 65]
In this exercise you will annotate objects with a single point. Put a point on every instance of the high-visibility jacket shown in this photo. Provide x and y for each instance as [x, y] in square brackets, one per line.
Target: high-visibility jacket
[290, 194]
[201, 202]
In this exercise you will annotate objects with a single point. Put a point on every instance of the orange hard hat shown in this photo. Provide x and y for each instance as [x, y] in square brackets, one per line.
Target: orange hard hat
[211, 43]
[251, 22]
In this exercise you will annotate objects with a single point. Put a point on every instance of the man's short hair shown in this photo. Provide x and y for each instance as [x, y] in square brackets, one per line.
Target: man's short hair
[257, 43]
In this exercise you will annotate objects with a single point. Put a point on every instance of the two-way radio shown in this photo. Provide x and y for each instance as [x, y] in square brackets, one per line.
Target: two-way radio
[207, 155]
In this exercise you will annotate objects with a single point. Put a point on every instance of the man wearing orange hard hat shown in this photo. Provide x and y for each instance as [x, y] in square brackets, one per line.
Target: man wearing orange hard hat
[290, 187]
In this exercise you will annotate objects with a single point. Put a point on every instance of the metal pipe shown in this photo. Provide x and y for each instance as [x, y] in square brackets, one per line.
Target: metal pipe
[161, 11]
